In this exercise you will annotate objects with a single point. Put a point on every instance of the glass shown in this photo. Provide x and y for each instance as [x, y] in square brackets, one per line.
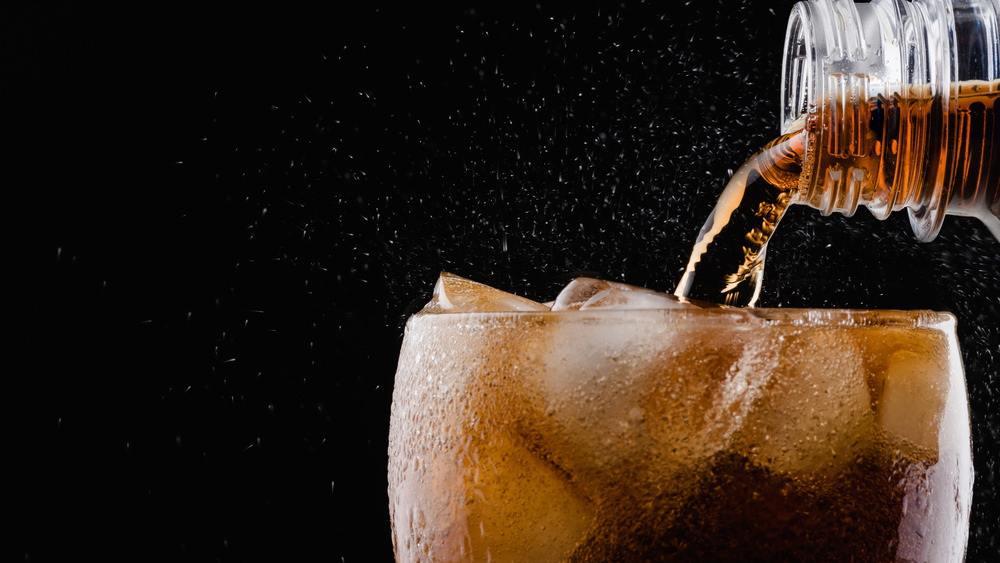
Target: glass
[646, 429]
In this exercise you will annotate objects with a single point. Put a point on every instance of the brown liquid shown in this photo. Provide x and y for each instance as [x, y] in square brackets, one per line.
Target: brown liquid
[727, 262]
[586, 436]
[743, 512]
[909, 151]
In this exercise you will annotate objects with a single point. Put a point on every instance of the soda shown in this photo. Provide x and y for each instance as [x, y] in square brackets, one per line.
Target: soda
[611, 425]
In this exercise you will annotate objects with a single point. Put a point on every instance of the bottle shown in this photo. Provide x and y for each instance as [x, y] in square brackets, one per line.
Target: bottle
[900, 103]
[889, 105]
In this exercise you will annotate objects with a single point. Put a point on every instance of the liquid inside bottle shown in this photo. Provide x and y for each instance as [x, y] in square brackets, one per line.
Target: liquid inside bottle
[930, 154]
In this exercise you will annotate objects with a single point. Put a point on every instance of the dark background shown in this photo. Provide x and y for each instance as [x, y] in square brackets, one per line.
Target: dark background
[220, 217]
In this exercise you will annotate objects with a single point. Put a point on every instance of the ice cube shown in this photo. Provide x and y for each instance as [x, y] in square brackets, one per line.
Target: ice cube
[815, 415]
[632, 406]
[589, 293]
[913, 396]
[455, 294]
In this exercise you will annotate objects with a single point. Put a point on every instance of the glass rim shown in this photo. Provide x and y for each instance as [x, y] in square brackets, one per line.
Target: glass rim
[763, 316]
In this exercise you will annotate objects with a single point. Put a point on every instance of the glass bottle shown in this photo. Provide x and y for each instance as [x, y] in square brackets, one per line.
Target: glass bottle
[900, 102]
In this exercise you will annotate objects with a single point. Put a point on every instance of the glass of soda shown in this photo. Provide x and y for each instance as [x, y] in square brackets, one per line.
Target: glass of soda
[622, 424]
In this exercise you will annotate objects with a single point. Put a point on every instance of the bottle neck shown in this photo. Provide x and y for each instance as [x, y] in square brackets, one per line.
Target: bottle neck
[896, 99]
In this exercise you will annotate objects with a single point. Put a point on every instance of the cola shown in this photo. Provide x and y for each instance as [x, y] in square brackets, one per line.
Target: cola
[622, 426]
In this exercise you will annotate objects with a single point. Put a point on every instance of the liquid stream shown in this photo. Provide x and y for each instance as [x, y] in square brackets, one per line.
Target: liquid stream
[727, 262]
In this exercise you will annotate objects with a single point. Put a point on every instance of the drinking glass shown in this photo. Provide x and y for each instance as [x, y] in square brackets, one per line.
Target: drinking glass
[614, 433]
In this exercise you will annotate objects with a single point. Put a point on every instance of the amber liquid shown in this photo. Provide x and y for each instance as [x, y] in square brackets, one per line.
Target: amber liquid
[594, 437]
[746, 513]
[727, 262]
[904, 151]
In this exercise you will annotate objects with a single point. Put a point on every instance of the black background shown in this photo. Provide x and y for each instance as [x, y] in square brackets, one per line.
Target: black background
[220, 218]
